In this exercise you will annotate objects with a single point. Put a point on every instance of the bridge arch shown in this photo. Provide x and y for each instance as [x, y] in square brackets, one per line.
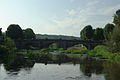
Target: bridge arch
[45, 43]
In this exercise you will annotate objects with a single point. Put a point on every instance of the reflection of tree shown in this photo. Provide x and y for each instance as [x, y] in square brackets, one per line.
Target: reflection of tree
[61, 58]
[112, 71]
[16, 63]
[89, 67]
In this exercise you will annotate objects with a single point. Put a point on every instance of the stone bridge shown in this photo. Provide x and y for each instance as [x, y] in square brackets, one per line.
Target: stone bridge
[61, 43]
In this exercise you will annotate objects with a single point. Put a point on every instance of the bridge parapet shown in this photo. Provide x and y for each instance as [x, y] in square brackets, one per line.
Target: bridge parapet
[63, 43]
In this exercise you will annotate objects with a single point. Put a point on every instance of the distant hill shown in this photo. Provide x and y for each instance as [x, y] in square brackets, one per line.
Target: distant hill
[44, 36]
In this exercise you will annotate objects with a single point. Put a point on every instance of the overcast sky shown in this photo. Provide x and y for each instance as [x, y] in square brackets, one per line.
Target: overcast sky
[61, 17]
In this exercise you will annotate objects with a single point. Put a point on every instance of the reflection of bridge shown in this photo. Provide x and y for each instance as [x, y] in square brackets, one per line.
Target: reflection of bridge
[61, 43]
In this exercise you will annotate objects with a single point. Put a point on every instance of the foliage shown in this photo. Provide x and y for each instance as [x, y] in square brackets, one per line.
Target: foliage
[74, 56]
[0, 31]
[92, 34]
[9, 43]
[108, 29]
[45, 50]
[3, 50]
[117, 18]
[76, 50]
[114, 43]
[87, 33]
[98, 34]
[53, 46]
[102, 52]
[9, 46]
[29, 34]
[14, 31]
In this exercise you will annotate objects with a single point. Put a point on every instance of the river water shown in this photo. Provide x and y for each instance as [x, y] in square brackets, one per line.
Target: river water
[30, 70]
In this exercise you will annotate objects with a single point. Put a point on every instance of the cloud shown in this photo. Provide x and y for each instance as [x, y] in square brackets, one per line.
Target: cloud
[92, 3]
[72, 23]
[75, 19]
[109, 10]
[71, 12]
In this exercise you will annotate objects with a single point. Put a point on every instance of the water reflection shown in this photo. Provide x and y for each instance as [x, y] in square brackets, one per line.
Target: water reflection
[108, 69]
[111, 71]
[15, 64]
[91, 67]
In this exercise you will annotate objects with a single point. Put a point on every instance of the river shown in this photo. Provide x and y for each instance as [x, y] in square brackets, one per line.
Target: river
[26, 69]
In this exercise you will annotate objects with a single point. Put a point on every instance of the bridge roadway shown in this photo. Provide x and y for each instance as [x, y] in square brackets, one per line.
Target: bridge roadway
[61, 43]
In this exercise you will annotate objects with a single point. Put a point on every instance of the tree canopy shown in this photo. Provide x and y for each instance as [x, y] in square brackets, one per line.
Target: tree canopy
[87, 33]
[98, 34]
[114, 42]
[0, 31]
[29, 34]
[108, 29]
[14, 31]
[116, 20]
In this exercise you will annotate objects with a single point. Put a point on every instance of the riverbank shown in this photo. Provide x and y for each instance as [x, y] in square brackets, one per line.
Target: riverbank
[99, 52]
[75, 53]
[102, 52]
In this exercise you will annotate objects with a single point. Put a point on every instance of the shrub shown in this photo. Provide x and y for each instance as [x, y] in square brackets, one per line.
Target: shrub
[76, 50]
[3, 50]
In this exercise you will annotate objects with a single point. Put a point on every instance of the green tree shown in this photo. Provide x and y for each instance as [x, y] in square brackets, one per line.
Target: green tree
[14, 31]
[108, 30]
[114, 42]
[87, 33]
[9, 43]
[29, 34]
[98, 34]
[116, 20]
[3, 50]
[0, 31]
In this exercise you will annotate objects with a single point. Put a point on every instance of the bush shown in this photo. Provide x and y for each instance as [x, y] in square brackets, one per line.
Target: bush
[102, 52]
[9, 43]
[76, 50]
[3, 50]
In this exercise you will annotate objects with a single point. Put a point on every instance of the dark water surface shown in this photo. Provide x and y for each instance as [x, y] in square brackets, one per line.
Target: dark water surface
[27, 69]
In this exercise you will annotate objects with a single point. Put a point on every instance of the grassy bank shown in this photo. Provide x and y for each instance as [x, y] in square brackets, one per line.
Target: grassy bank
[76, 52]
[102, 52]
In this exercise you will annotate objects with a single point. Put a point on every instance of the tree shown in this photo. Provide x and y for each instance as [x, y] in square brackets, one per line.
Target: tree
[0, 31]
[108, 30]
[116, 20]
[9, 43]
[14, 31]
[87, 33]
[114, 42]
[3, 50]
[98, 34]
[29, 34]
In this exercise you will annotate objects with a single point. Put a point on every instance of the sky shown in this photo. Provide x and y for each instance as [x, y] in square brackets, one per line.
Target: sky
[58, 17]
